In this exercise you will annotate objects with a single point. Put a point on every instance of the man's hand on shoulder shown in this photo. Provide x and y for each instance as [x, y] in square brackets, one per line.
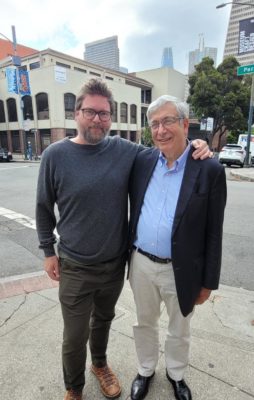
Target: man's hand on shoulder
[202, 150]
[203, 296]
[51, 266]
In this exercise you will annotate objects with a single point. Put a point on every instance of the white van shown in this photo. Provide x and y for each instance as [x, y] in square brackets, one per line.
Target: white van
[242, 140]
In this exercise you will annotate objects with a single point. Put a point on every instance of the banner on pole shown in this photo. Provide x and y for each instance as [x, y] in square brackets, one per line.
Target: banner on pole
[24, 86]
[11, 75]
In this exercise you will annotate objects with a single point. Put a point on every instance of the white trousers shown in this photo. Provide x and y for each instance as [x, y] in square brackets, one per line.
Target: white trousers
[153, 283]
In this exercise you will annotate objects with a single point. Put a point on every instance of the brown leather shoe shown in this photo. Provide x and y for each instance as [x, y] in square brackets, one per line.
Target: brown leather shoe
[109, 383]
[73, 395]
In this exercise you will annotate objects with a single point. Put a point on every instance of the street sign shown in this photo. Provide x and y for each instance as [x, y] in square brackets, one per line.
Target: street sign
[245, 69]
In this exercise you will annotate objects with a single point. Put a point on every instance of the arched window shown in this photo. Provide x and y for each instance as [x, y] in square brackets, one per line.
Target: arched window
[28, 107]
[133, 114]
[12, 110]
[69, 105]
[2, 114]
[123, 113]
[42, 106]
[114, 116]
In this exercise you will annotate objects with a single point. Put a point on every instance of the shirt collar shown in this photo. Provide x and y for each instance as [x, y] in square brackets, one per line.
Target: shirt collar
[180, 162]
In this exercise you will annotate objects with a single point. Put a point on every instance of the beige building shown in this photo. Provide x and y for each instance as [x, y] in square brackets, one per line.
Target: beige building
[165, 80]
[47, 114]
[239, 13]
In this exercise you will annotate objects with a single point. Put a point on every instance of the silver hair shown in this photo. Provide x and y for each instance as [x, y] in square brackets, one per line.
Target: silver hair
[180, 106]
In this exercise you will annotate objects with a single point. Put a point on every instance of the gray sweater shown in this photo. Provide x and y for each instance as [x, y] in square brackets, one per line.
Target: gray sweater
[89, 184]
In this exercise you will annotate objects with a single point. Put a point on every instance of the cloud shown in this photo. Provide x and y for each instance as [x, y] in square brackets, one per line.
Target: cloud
[143, 27]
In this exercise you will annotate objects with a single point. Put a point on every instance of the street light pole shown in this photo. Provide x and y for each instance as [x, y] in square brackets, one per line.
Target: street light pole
[16, 62]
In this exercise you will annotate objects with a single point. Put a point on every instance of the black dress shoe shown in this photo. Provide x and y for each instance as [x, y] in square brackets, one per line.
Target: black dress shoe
[140, 386]
[182, 391]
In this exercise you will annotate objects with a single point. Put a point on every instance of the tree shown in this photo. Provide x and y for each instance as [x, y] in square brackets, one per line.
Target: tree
[220, 94]
[146, 136]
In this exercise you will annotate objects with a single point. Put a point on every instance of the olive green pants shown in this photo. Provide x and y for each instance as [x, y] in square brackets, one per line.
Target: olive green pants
[88, 295]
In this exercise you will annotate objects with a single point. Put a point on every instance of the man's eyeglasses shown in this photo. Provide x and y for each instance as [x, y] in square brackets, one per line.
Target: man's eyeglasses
[89, 113]
[165, 122]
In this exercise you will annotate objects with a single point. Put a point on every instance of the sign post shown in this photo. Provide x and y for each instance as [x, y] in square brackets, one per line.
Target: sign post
[244, 70]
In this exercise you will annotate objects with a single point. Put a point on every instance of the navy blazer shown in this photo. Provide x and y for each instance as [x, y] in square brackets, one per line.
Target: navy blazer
[197, 228]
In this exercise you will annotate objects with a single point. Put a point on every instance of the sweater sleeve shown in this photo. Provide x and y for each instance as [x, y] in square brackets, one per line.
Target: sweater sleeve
[45, 202]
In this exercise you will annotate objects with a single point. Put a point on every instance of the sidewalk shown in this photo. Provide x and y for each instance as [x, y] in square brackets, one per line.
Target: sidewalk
[222, 351]
[243, 174]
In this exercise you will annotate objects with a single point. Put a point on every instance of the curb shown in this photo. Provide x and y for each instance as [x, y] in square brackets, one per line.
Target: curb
[242, 177]
[26, 283]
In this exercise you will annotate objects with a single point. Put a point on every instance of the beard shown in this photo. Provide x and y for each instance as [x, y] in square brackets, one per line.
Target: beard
[92, 137]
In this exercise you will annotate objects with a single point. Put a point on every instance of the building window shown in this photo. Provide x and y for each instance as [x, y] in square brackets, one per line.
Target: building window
[15, 138]
[124, 134]
[80, 70]
[2, 114]
[12, 110]
[123, 113]
[69, 105]
[109, 78]
[133, 114]
[146, 96]
[114, 116]
[42, 106]
[28, 107]
[3, 140]
[94, 73]
[23, 68]
[35, 65]
[133, 136]
[71, 133]
[63, 65]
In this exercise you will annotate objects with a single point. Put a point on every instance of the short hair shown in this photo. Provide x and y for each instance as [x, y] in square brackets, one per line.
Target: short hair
[94, 87]
[180, 106]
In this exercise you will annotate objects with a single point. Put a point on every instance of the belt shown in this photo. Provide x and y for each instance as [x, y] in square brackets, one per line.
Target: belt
[152, 257]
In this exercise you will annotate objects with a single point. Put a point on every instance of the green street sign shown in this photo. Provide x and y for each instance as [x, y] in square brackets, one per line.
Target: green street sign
[245, 69]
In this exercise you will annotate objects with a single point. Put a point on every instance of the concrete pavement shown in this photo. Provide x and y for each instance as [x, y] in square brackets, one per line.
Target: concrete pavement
[222, 351]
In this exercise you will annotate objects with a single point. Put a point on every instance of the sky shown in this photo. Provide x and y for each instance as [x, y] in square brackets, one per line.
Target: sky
[143, 27]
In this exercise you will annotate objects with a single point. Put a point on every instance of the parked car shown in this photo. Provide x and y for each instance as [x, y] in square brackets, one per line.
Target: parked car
[232, 154]
[5, 155]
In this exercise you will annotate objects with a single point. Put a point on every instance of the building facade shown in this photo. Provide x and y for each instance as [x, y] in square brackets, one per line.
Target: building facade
[196, 56]
[239, 14]
[104, 52]
[164, 81]
[47, 113]
[167, 58]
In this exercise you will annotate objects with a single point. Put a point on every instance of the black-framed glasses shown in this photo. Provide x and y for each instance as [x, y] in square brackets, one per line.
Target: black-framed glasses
[165, 122]
[89, 113]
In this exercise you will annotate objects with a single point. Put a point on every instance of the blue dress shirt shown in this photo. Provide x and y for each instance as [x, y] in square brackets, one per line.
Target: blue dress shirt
[157, 213]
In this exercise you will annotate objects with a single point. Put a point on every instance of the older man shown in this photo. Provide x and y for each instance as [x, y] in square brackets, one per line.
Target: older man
[177, 209]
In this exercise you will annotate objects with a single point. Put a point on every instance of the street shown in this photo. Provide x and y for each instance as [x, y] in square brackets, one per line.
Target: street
[19, 245]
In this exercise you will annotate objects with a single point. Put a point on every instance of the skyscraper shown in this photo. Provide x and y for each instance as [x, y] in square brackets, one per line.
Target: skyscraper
[241, 16]
[167, 57]
[196, 56]
[104, 52]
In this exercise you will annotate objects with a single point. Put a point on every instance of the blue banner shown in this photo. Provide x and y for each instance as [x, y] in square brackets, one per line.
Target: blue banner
[11, 76]
[24, 86]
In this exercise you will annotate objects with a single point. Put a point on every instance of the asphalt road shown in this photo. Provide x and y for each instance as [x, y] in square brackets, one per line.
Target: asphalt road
[19, 251]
